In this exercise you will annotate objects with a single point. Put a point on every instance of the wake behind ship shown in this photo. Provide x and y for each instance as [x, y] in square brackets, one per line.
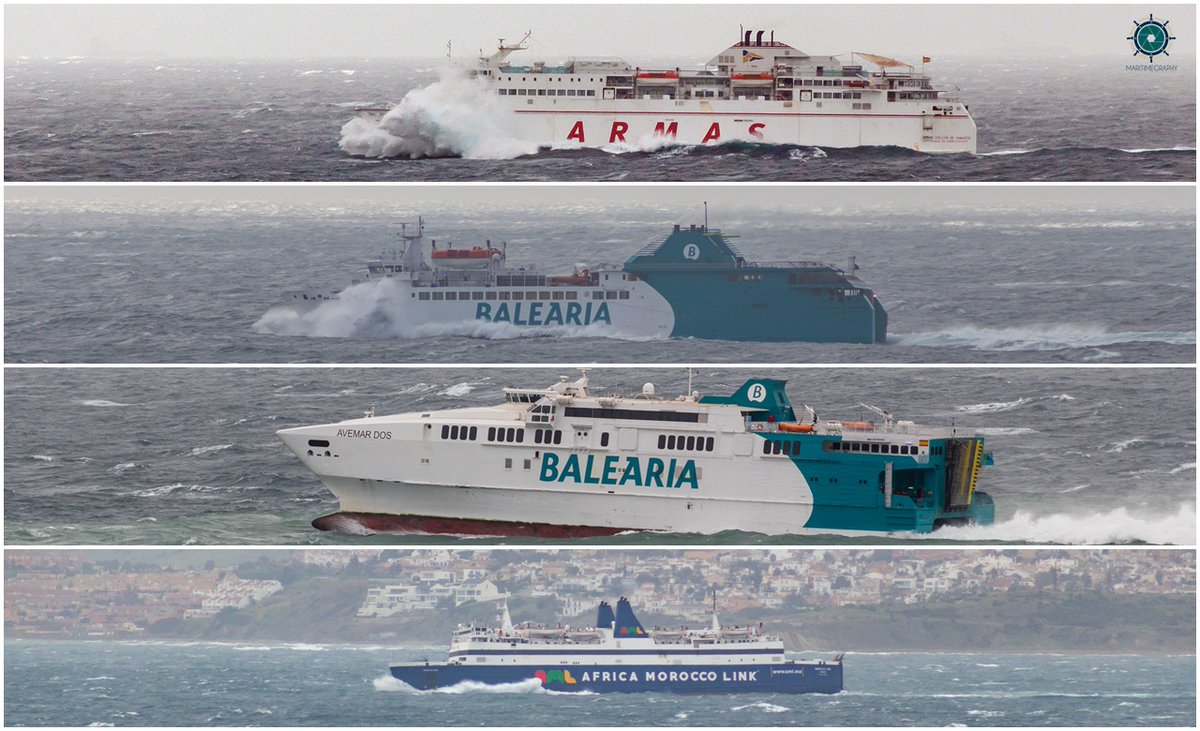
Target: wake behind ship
[620, 655]
[561, 462]
[692, 284]
[757, 90]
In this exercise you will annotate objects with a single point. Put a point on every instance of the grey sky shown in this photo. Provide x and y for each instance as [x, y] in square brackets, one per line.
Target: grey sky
[817, 198]
[629, 31]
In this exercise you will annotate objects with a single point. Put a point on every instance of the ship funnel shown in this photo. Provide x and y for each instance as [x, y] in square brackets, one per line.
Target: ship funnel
[604, 616]
[746, 41]
[627, 624]
[758, 38]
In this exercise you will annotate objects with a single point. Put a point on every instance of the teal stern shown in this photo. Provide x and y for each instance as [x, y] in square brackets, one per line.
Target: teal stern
[715, 293]
[877, 475]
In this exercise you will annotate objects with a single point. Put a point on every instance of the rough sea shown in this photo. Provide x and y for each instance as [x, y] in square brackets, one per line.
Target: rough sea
[145, 683]
[1055, 278]
[1054, 117]
[186, 456]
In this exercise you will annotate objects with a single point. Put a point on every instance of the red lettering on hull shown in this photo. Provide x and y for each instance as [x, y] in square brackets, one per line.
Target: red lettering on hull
[756, 130]
[577, 132]
[380, 523]
[666, 130]
[618, 132]
[713, 133]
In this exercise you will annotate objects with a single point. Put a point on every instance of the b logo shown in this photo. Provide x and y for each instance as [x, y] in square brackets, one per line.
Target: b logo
[757, 392]
[691, 251]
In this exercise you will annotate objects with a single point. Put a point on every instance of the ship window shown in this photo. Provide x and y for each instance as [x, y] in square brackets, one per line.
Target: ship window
[766, 447]
[662, 441]
[853, 446]
[451, 295]
[528, 464]
[894, 449]
[445, 431]
[537, 437]
[437, 295]
[708, 444]
[875, 449]
[557, 437]
[423, 296]
[624, 294]
[518, 295]
[604, 439]
[597, 295]
[520, 435]
[866, 105]
[610, 294]
[489, 295]
[562, 92]
[571, 295]
[477, 295]
[691, 443]
[508, 463]
[591, 92]
[474, 433]
[541, 92]
[570, 92]
[556, 295]
[504, 295]
[531, 295]
[454, 432]
[544, 295]
[671, 442]
[795, 448]
[318, 442]
[504, 92]
[491, 433]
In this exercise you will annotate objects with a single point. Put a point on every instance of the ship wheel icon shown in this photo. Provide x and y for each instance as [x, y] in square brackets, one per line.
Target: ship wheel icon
[1150, 37]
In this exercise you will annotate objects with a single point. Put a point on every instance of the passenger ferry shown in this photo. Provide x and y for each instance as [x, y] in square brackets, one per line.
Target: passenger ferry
[563, 462]
[621, 655]
[756, 90]
[695, 283]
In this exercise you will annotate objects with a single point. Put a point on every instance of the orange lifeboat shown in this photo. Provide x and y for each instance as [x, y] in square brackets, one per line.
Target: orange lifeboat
[658, 75]
[751, 77]
[862, 425]
[796, 428]
[581, 277]
[476, 257]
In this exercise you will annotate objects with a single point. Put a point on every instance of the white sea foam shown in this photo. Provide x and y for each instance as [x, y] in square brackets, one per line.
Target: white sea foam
[992, 407]
[1114, 526]
[453, 117]
[764, 707]
[390, 684]
[101, 403]
[43, 458]
[1178, 148]
[1004, 431]
[198, 451]
[1037, 337]
[458, 389]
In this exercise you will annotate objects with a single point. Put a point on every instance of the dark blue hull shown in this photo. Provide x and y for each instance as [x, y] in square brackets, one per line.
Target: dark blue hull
[798, 677]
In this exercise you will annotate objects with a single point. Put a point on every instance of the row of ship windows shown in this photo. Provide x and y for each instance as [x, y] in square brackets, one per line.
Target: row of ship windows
[552, 78]
[839, 95]
[632, 414]
[453, 431]
[873, 448]
[599, 294]
[547, 436]
[774, 446]
[687, 444]
[546, 92]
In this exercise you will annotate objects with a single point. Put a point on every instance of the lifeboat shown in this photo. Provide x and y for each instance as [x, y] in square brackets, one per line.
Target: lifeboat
[581, 277]
[751, 77]
[796, 428]
[476, 257]
[657, 75]
[860, 425]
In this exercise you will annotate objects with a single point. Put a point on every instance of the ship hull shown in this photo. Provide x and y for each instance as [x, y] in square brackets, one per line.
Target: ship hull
[760, 678]
[638, 122]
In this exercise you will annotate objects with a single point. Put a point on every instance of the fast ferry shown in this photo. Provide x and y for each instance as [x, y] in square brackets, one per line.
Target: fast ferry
[562, 462]
[755, 90]
[621, 655]
[694, 283]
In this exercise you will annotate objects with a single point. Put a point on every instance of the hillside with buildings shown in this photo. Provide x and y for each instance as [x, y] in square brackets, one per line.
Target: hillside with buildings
[997, 600]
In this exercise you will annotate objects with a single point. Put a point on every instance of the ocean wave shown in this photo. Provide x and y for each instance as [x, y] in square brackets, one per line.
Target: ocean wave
[101, 403]
[762, 706]
[1036, 338]
[200, 451]
[1117, 526]
[387, 683]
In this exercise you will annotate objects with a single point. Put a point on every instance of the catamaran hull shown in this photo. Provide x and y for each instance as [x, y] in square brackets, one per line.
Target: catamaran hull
[760, 678]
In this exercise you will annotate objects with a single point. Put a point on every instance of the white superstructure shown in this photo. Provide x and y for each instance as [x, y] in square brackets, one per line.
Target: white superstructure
[756, 90]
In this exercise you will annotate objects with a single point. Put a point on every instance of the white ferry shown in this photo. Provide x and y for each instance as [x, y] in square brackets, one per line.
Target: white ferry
[621, 655]
[563, 462]
[756, 90]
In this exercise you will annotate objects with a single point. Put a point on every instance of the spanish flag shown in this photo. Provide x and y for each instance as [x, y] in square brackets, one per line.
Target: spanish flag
[925, 59]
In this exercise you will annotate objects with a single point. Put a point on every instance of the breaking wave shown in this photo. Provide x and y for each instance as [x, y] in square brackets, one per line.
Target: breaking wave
[389, 684]
[992, 407]
[1036, 338]
[452, 117]
[370, 309]
[1115, 526]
